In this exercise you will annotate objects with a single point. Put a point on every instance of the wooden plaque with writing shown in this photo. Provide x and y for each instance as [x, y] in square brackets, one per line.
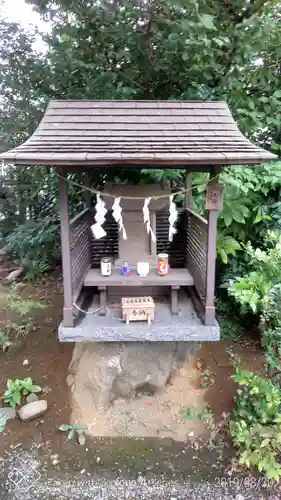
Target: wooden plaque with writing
[214, 197]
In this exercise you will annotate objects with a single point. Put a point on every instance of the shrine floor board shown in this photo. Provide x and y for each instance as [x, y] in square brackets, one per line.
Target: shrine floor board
[185, 326]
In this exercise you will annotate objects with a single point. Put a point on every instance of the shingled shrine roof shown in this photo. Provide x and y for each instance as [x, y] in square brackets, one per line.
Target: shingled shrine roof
[137, 132]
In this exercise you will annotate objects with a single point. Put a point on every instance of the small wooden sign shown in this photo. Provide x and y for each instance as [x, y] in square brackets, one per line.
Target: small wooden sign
[138, 309]
[214, 197]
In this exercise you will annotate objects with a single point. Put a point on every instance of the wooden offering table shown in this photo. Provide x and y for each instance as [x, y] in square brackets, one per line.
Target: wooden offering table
[175, 279]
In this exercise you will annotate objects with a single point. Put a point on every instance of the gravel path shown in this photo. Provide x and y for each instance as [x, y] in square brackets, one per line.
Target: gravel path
[33, 482]
[121, 489]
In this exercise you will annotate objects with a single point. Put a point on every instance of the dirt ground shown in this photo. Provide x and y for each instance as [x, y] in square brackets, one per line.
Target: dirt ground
[158, 442]
[155, 416]
[203, 381]
[47, 365]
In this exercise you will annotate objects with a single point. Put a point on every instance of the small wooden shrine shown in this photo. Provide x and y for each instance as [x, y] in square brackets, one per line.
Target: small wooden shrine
[132, 225]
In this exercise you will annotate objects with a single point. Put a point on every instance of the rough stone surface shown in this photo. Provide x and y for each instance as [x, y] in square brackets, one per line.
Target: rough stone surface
[33, 410]
[31, 398]
[165, 328]
[103, 372]
[9, 412]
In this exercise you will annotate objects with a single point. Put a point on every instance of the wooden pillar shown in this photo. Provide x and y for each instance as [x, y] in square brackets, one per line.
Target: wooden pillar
[211, 261]
[188, 185]
[88, 194]
[68, 318]
[187, 204]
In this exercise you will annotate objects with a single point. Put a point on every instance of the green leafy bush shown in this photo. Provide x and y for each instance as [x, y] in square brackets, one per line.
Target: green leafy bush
[259, 291]
[17, 388]
[258, 400]
[226, 245]
[259, 446]
[255, 426]
[252, 290]
[38, 243]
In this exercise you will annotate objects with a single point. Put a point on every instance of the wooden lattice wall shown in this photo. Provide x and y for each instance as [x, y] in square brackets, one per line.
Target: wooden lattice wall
[196, 250]
[80, 249]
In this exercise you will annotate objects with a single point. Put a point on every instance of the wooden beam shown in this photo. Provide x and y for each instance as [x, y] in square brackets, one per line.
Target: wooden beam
[68, 318]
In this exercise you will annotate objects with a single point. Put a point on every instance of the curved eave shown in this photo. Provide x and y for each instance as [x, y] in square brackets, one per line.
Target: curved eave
[160, 133]
[106, 159]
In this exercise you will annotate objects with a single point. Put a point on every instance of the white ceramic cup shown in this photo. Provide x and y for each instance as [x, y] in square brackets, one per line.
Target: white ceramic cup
[142, 268]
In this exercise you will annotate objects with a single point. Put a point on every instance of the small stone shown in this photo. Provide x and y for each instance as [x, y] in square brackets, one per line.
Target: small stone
[9, 412]
[33, 410]
[31, 398]
[120, 401]
[70, 380]
[182, 372]
[54, 456]
[14, 274]
[98, 460]
[82, 471]
[25, 362]
[55, 462]
[190, 434]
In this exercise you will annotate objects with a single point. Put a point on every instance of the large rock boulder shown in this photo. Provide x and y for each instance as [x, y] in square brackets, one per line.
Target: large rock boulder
[99, 373]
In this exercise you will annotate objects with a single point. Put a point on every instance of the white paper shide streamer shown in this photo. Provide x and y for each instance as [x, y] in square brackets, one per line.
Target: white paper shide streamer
[101, 211]
[146, 219]
[172, 218]
[117, 214]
